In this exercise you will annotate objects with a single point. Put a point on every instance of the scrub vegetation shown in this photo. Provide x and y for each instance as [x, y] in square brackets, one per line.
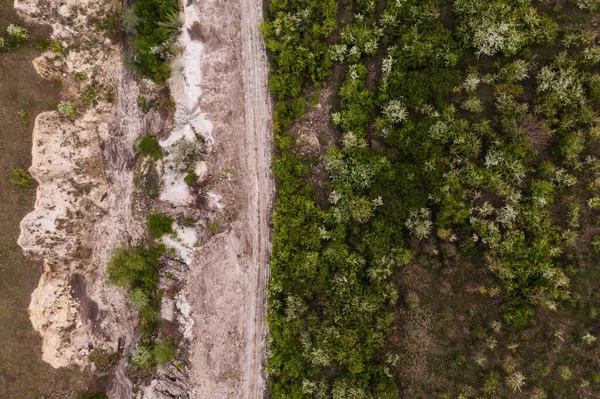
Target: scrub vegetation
[154, 25]
[452, 251]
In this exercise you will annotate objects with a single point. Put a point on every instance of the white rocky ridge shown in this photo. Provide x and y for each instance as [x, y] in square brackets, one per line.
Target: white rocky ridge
[83, 201]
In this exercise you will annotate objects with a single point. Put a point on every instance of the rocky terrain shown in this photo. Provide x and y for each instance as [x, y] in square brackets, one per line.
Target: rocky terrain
[87, 204]
[81, 208]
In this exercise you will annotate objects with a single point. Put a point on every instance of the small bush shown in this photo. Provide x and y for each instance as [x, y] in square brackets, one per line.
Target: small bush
[104, 359]
[159, 224]
[164, 351]
[187, 154]
[190, 178]
[586, 4]
[91, 95]
[149, 146]
[56, 47]
[21, 177]
[139, 299]
[596, 244]
[81, 75]
[187, 221]
[129, 20]
[565, 373]
[135, 266]
[594, 87]
[2, 43]
[156, 24]
[67, 109]
[17, 35]
[143, 357]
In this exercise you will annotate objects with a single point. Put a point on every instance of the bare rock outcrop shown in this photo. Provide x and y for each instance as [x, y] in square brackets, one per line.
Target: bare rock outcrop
[83, 167]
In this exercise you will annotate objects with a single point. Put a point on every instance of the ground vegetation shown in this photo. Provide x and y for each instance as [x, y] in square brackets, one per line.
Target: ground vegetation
[451, 252]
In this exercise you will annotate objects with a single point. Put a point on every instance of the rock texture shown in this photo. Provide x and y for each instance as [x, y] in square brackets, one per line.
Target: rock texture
[83, 167]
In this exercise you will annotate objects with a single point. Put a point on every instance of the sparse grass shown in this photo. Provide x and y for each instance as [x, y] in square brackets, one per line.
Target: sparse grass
[21, 368]
[214, 225]
[22, 178]
[144, 104]
[42, 44]
[187, 221]
[25, 117]
[149, 180]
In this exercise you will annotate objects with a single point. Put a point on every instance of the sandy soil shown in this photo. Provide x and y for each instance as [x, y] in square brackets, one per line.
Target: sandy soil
[229, 273]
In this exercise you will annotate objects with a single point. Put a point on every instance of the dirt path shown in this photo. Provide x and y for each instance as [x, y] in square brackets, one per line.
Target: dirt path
[259, 147]
[227, 286]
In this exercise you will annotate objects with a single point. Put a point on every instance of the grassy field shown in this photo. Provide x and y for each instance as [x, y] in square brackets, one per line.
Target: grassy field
[23, 374]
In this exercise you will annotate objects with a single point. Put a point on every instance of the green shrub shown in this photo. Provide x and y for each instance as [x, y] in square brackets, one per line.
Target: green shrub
[148, 145]
[135, 267]
[154, 37]
[81, 75]
[159, 224]
[143, 357]
[67, 109]
[501, 26]
[56, 47]
[90, 96]
[17, 35]
[139, 299]
[187, 154]
[104, 359]
[21, 177]
[190, 178]
[164, 351]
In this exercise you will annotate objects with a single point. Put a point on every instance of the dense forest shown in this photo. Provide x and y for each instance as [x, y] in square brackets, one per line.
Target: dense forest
[445, 242]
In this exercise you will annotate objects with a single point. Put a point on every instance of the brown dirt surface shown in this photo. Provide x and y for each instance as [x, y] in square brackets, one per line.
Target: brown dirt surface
[228, 283]
[23, 374]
